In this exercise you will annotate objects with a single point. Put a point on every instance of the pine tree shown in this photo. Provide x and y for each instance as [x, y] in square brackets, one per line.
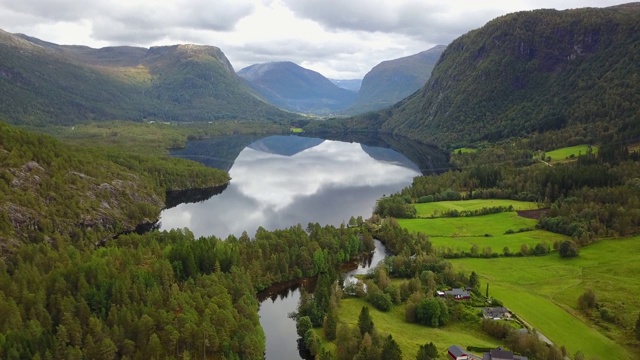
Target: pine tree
[330, 324]
[365, 323]
[427, 352]
[391, 349]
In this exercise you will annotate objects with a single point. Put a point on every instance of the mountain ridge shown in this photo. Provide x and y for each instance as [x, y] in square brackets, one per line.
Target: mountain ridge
[64, 84]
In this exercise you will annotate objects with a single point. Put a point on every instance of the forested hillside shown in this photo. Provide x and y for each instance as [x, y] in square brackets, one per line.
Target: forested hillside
[45, 83]
[49, 188]
[525, 72]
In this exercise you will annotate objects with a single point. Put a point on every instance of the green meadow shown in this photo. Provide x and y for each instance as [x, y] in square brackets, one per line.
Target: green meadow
[434, 208]
[410, 336]
[544, 291]
[485, 231]
[565, 153]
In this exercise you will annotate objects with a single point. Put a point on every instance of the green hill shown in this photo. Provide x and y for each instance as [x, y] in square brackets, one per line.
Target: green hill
[526, 72]
[44, 83]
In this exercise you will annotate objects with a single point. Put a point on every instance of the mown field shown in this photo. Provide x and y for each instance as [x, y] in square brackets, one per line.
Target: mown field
[544, 291]
[485, 231]
[564, 154]
[411, 336]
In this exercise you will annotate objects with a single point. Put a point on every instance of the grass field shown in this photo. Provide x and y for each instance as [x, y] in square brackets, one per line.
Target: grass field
[564, 154]
[295, 130]
[433, 208]
[411, 336]
[462, 232]
[544, 291]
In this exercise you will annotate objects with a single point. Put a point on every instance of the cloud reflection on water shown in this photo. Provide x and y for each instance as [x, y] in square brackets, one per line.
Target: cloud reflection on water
[327, 183]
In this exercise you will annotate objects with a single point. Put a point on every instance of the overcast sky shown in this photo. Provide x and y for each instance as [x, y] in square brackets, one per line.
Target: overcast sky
[341, 39]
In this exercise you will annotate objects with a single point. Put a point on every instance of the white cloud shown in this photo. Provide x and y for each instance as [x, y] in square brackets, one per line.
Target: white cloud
[340, 39]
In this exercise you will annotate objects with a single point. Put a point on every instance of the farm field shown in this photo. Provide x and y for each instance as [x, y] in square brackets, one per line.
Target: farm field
[433, 208]
[544, 291]
[410, 336]
[485, 231]
[564, 154]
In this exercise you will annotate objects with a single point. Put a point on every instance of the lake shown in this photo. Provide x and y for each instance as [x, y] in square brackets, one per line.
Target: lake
[281, 181]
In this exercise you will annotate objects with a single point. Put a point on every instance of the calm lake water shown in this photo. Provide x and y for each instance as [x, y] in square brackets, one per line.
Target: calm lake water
[281, 181]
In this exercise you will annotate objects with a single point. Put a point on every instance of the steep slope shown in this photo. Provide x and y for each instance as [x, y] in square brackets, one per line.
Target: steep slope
[294, 88]
[526, 72]
[393, 80]
[47, 83]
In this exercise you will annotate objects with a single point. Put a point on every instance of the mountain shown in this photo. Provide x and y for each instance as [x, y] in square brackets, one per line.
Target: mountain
[294, 88]
[348, 84]
[527, 72]
[393, 80]
[44, 83]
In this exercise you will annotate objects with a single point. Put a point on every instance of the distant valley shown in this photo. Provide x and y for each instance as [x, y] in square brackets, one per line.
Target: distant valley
[294, 88]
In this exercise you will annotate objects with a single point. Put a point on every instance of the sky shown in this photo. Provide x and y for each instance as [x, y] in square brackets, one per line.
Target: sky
[341, 39]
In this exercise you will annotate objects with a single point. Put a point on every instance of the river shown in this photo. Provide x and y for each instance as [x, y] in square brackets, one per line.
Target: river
[282, 339]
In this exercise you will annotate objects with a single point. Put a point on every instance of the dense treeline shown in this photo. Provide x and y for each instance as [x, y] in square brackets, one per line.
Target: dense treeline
[122, 301]
[157, 295]
[272, 256]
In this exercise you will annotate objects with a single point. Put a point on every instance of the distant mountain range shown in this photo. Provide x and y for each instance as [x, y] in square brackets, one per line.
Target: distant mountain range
[47, 83]
[522, 73]
[44, 83]
[294, 88]
[393, 80]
